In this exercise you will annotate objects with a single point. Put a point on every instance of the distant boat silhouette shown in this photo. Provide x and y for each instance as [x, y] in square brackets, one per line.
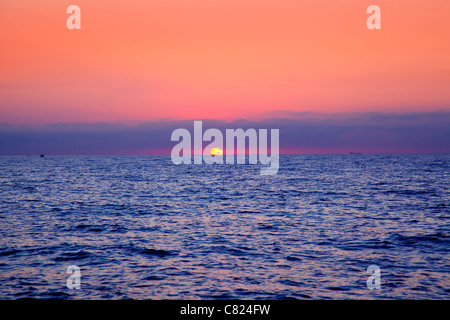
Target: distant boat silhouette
[42, 155]
[355, 152]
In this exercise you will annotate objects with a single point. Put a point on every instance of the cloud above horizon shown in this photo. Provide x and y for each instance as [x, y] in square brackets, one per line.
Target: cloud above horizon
[299, 133]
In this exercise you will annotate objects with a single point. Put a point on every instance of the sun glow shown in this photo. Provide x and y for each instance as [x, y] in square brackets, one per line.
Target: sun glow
[216, 152]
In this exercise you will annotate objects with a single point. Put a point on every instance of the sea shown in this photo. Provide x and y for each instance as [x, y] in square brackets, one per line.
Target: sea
[141, 227]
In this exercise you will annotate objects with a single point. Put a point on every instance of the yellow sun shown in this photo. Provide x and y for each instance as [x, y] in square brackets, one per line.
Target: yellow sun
[216, 152]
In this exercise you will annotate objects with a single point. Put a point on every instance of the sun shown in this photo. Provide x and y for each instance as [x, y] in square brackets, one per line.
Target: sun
[216, 152]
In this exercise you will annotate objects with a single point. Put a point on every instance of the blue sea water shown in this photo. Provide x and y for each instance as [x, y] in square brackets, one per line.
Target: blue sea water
[140, 227]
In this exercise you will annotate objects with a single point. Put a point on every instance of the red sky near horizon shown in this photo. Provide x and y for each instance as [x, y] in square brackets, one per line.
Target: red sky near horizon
[222, 59]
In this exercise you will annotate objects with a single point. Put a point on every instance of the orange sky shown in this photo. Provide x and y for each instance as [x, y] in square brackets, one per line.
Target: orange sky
[142, 60]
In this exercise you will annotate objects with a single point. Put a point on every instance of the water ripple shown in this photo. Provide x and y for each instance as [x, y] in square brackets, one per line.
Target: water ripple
[140, 227]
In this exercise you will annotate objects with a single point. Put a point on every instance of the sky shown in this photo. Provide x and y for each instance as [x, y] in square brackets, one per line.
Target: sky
[140, 62]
